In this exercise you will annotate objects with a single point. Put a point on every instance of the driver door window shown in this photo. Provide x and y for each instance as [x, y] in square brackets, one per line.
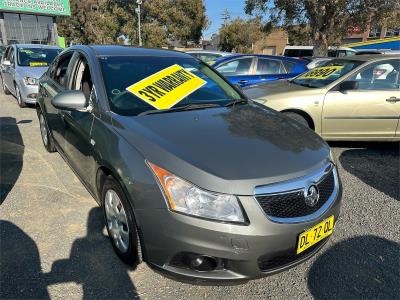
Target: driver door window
[235, 67]
[369, 110]
[383, 75]
[82, 79]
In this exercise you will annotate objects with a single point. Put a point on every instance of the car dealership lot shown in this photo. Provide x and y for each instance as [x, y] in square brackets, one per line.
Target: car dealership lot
[53, 242]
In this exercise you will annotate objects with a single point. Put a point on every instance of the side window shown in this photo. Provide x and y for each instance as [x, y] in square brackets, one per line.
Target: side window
[82, 79]
[289, 66]
[381, 75]
[269, 66]
[240, 66]
[59, 74]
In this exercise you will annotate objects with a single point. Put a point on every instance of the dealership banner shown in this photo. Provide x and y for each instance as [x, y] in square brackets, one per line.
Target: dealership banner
[48, 7]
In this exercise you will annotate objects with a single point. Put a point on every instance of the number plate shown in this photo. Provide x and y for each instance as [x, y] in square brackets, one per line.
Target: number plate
[315, 234]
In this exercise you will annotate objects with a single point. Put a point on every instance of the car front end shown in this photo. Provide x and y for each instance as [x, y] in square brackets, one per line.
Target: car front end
[223, 188]
[234, 215]
[28, 84]
[265, 242]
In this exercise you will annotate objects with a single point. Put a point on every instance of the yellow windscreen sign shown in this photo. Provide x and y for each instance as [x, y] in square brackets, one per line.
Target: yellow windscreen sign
[167, 87]
[321, 72]
[38, 64]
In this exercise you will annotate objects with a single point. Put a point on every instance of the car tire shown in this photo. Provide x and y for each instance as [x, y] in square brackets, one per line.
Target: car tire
[297, 117]
[120, 223]
[6, 91]
[21, 103]
[47, 139]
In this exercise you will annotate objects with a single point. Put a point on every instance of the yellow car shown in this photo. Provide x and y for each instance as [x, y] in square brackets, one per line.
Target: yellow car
[355, 98]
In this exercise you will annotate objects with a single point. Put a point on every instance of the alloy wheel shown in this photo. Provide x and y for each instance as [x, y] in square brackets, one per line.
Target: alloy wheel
[43, 130]
[117, 222]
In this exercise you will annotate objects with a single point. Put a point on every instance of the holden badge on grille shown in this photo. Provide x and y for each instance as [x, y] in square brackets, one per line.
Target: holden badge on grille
[311, 195]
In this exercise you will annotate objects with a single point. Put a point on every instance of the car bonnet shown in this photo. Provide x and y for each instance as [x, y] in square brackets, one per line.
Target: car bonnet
[228, 150]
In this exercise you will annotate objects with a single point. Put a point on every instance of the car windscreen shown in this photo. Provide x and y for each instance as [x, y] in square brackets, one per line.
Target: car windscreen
[36, 57]
[326, 74]
[132, 81]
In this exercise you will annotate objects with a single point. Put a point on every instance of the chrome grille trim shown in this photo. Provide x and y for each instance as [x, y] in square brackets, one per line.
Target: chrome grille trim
[296, 185]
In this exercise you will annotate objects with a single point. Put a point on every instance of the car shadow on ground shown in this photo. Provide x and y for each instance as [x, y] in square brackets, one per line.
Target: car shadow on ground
[11, 154]
[92, 264]
[365, 267]
[376, 164]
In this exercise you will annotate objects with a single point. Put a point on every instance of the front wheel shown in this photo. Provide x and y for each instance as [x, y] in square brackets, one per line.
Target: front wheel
[21, 103]
[5, 89]
[47, 139]
[120, 223]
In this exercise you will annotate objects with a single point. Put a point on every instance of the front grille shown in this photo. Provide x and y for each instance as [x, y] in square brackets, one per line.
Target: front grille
[292, 204]
[270, 262]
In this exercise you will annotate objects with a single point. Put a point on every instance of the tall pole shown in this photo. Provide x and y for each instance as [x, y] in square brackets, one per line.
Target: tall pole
[139, 3]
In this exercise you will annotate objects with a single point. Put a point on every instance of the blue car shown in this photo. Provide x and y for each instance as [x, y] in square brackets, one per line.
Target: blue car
[248, 69]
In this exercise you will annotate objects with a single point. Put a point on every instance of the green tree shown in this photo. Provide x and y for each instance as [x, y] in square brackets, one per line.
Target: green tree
[105, 21]
[239, 35]
[327, 20]
[182, 20]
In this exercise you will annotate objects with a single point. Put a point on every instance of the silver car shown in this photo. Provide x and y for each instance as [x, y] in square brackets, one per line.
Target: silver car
[21, 68]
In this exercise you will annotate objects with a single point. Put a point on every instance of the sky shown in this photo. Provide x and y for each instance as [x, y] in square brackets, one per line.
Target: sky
[214, 10]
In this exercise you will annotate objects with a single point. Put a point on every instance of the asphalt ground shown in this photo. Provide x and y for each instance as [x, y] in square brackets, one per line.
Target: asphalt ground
[53, 243]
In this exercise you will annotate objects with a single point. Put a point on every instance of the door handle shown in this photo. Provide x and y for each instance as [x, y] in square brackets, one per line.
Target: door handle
[243, 81]
[393, 99]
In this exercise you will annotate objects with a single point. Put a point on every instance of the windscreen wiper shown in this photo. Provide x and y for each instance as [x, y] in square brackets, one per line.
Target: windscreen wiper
[180, 108]
[237, 101]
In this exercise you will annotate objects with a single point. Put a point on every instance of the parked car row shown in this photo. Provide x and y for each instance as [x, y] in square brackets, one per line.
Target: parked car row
[22, 66]
[357, 98]
[162, 141]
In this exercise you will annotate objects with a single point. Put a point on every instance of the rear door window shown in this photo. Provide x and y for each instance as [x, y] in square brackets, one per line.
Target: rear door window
[240, 66]
[289, 66]
[269, 66]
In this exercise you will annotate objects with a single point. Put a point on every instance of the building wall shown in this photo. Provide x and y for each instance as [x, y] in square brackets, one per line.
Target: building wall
[272, 44]
[27, 29]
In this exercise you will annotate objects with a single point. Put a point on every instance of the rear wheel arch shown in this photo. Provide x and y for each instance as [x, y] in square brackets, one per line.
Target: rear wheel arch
[302, 113]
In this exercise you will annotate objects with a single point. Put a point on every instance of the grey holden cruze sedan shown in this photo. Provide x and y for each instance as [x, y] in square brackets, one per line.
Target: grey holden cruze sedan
[193, 178]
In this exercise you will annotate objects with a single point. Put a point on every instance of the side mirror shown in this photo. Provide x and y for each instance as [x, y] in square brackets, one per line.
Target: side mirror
[348, 85]
[6, 63]
[70, 100]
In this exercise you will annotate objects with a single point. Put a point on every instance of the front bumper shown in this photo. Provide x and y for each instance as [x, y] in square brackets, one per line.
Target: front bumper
[240, 250]
[28, 93]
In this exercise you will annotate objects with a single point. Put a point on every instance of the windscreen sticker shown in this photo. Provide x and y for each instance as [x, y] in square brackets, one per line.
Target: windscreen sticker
[38, 64]
[321, 72]
[167, 87]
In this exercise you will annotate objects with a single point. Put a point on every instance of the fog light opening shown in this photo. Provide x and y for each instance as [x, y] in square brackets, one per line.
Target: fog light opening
[203, 263]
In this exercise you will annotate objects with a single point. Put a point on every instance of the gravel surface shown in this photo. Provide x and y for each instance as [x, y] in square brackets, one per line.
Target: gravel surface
[53, 243]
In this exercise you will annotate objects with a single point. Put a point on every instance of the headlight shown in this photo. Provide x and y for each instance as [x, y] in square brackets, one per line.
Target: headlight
[31, 81]
[186, 198]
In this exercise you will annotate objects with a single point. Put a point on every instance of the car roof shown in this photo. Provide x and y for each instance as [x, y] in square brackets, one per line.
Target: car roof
[36, 46]
[210, 51]
[111, 50]
[233, 56]
[369, 57]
